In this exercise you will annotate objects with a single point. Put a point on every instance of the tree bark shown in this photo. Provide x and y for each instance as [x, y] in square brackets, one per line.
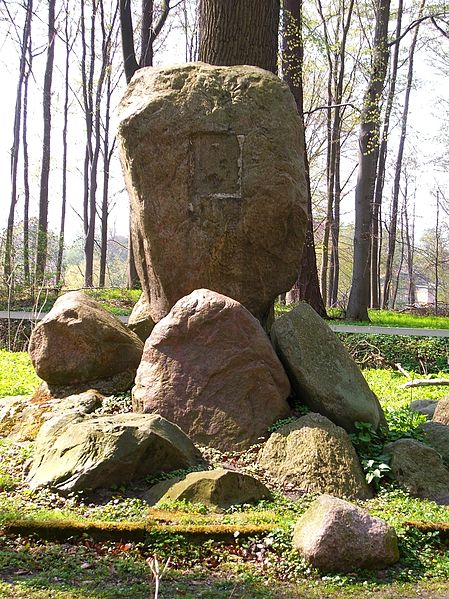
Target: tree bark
[376, 231]
[307, 286]
[42, 232]
[239, 32]
[68, 48]
[26, 34]
[368, 151]
[398, 169]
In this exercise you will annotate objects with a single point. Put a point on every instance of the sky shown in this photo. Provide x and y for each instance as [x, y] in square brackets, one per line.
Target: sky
[425, 122]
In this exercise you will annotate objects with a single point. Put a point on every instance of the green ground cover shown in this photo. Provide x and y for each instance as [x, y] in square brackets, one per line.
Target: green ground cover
[390, 318]
[17, 375]
[264, 566]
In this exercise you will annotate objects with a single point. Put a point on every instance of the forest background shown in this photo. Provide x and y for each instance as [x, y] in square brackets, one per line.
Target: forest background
[64, 208]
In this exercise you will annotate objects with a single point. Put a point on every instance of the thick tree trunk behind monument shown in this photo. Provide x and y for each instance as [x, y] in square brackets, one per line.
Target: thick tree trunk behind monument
[239, 32]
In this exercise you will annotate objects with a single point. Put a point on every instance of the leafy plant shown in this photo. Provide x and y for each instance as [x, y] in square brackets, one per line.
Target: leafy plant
[403, 423]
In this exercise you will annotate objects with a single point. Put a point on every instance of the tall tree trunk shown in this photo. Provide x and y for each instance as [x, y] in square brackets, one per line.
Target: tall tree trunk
[26, 170]
[239, 32]
[68, 47]
[149, 32]
[88, 74]
[307, 286]
[42, 232]
[368, 145]
[24, 50]
[437, 253]
[398, 168]
[376, 231]
[107, 156]
[410, 247]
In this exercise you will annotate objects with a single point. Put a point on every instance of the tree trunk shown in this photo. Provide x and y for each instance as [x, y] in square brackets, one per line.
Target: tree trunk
[239, 32]
[26, 170]
[149, 32]
[42, 232]
[380, 178]
[368, 145]
[307, 286]
[68, 47]
[398, 168]
[26, 34]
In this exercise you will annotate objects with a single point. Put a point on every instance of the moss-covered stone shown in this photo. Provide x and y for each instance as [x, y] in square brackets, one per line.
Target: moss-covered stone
[218, 489]
[315, 455]
[75, 453]
[321, 371]
[419, 470]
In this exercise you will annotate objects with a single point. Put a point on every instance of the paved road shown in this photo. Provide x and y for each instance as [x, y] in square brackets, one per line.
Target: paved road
[342, 328]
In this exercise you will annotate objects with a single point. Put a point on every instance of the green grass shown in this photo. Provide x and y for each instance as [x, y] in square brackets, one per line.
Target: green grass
[386, 384]
[390, 318]
[116, 300]
[17, 375]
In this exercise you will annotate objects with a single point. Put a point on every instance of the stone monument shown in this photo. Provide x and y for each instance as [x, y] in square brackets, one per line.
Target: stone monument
[213, 163]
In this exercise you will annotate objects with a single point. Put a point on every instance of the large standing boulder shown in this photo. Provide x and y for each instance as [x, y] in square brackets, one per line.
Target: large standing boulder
[75, 453]
[218, 489]
[334, 535]
[78, 342]
[322, 373]
[213, 164]
[419, 470]
[315, 455]
[209, 367]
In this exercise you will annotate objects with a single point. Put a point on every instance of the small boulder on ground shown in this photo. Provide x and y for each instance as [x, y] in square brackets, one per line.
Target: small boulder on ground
[437, 436]
[78, 342]
[315, 455]
[441, 413]
[322, 373]
[140, 321]
[22, 418]
[335, 536]
[424, 406]
[218, 489]
[209, 367]
[75, 453]
[419, 470]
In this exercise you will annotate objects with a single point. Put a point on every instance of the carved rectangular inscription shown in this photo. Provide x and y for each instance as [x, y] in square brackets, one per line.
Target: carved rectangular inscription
[217, 165]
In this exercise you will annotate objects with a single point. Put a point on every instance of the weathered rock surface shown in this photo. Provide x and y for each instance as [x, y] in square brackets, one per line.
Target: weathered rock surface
[140, 321]
[213, 163]
[21, 417]
[419, 470]
[75, 452]
[334, 535]
[424, 406]
[437, 436]
[209, 367]
[217, 489]
[321, 371]
[441, 413]
[317, 456]
[78, 342]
